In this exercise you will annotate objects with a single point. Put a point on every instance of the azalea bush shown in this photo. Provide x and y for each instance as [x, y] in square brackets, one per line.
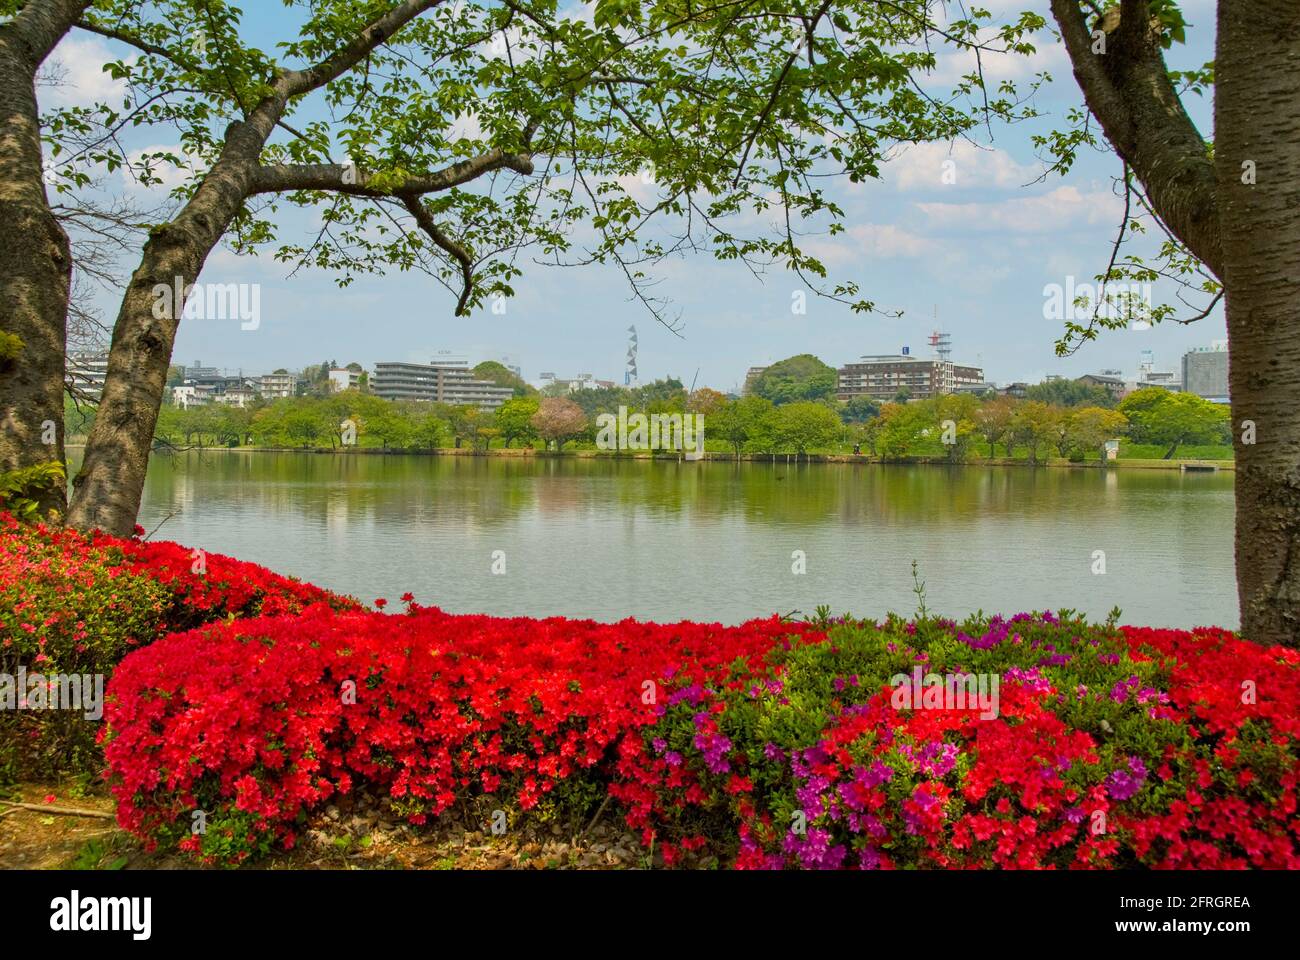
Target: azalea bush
[767, 745]
[1119, 748]
[258, 721]
[76, 604]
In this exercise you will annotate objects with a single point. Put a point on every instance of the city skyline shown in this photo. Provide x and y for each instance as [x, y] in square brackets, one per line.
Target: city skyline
[561, 372]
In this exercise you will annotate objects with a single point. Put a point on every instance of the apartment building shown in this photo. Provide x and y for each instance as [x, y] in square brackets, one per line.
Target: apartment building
[198, 373]
[447, 382]
[189, 395]
[85, 373]
[1112, 381]
[344, 379]
[277, 386]
[583, 381]
[882, 377]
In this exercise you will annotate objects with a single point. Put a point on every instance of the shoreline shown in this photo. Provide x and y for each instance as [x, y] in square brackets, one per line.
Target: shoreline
[1181, 464]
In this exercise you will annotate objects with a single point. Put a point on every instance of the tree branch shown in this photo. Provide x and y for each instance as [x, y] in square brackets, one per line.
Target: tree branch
[144, 46]
[154, 50]
[38, 28]
[776, 89]
[298, 82]
[417, 209]
[1127, 88]
[283, 178]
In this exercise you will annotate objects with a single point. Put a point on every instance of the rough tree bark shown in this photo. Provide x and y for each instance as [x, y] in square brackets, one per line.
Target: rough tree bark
[35, 256]
[1257, 126]
[1247, 234]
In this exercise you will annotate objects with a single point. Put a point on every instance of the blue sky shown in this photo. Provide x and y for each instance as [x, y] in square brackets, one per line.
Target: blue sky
[977, 252]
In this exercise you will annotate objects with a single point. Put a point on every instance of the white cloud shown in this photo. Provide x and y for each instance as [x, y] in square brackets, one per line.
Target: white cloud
[642, 187]
[512, 44]
[161, 169]
[1052, 212]
[584, 12]
[952, 64]
[960, 165]
[79, 63]
[466, 126]
[872, 241]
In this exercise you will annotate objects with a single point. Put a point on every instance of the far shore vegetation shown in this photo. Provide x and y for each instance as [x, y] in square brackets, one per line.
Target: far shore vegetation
[780, 415]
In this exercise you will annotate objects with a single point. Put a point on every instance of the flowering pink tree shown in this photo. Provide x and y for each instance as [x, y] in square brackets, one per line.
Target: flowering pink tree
[559, 419]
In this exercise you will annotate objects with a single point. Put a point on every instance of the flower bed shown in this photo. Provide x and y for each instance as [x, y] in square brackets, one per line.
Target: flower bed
[257, 721]
[771, 744]
[76, 604]
[1112, 748]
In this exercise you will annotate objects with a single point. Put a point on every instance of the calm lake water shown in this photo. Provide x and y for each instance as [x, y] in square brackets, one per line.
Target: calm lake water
[711, 541]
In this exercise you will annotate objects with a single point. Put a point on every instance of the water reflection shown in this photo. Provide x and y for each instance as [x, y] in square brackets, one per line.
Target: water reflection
[666, 540]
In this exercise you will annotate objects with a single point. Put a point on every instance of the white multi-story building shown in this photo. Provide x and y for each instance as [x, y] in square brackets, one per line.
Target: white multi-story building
[883, 377]
[86, 371]
[192, 395]
[442, 382]
[240, 396]
[583, 381]
[277, 386]
[1149, 376]
[344, 379]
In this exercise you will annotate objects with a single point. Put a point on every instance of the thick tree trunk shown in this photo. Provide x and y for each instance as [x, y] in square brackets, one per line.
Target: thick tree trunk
[35, 277]
[1257, 123]
[107, 490]
[35, 257]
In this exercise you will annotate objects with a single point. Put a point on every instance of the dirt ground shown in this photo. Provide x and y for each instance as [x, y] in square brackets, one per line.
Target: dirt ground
[354, 834]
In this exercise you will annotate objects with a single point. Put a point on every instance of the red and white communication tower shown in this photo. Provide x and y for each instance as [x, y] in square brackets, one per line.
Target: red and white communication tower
[941, 344]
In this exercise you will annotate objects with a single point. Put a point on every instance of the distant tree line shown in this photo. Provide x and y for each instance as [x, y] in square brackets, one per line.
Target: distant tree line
[954, 427]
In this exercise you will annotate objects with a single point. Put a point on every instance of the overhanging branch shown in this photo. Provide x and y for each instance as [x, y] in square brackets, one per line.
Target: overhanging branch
[298, 82]
[1127, 88]
[341, 178]
[416, 208]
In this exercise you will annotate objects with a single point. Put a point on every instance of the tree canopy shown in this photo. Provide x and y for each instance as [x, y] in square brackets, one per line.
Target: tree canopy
[502, 376]
[802, 377]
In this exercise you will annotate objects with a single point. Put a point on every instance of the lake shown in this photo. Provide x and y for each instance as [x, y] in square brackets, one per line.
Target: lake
[711, 541]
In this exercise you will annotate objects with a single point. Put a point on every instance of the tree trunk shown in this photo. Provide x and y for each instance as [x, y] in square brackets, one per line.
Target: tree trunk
[107, 490]
[1257, 120]
[35, 257]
